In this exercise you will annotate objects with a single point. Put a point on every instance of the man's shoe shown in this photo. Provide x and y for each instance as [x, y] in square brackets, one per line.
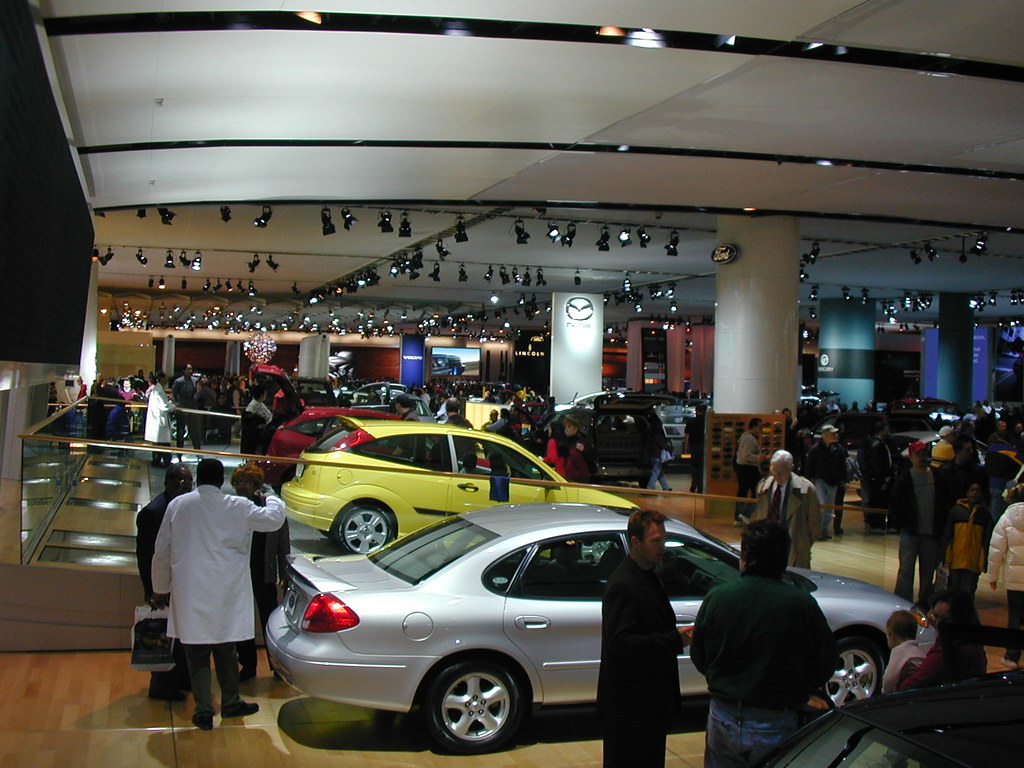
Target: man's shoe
[203, 722]
[241, 709]
[167, 695]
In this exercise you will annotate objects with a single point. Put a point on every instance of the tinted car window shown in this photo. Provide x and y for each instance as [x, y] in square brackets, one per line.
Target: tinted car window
[313, 427]
[518, 465]
[691, 568]
[425, 451]
[421, 554]
[848, 743]
[329, 442]
[572, 568]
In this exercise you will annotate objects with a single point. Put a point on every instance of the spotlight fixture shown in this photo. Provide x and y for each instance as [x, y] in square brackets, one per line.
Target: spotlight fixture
[494, 299]
[435, 273]
[326, 225]
[540, 277]
[151, 282]
[220, 285]
[184, 259]
[254, 263]
[527, 279]
[864, 296]
[161, 285]
[624, 237]
[846, 293]
[197, 263]
[602, 241]
[239, 286]
[489, 273]
[815, 251]
[141, 213]
[553, 232]
[261, 220]
[404, 227]
[271, 263]
[503, 274]
[643, 237]
[627, 284]
[442, 252]
[169, 261]
[384, 222]
[672, 248]
[570, 235]
[463, 277]
[166, 215]
[981, 242]
[814, 293]
[413, 274]
[347, 218]
[930, 252]
[106, 257]
[522, 299]
[515, 274]
[460, 231]
[141, 257]
[295, 289]
[576, 280]
[184, 284]
[207, 286]
[522, 236]
[252, 289]
[915, 256]
[225, 214]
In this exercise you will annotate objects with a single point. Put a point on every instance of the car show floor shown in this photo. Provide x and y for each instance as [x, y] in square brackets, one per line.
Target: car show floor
[89, 708]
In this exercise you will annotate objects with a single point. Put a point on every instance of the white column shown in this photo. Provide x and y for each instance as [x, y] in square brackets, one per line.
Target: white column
[87, 361]
[577, 342]
[313, 354]
[756, 317]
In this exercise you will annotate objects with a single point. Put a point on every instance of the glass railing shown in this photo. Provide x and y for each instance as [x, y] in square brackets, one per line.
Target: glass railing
[82, 489]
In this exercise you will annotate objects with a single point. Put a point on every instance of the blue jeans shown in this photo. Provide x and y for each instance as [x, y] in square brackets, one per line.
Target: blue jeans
[658, 474]
[738, 734]
[826, 496]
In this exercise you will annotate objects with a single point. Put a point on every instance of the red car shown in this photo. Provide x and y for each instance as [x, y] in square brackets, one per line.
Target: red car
[294, 436]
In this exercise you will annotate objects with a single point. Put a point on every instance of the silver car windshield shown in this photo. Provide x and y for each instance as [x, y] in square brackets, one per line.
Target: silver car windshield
[422, 554]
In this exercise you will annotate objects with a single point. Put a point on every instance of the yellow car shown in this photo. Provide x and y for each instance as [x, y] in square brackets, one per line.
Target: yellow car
[362, 505]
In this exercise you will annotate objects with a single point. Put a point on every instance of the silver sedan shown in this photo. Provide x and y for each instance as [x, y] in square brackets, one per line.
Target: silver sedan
[482, 616]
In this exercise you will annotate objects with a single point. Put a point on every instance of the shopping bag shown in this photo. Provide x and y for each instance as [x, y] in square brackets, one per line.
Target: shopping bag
[152, 650]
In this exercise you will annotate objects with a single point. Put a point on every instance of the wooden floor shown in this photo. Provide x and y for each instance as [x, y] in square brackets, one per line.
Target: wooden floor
[91, 709]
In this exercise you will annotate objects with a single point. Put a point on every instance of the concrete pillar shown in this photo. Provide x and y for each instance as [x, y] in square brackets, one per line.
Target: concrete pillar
[313, 354]
[956, 348]
[233, 357]
[756, 318]
[702, 357]
[87, 361]
[167, 365]
[846, 349]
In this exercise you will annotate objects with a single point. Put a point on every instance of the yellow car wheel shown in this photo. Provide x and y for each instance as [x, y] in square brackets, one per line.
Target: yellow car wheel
[362, 528]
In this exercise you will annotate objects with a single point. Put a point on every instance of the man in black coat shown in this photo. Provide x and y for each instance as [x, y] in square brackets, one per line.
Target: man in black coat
[638, 685]
[177, 480]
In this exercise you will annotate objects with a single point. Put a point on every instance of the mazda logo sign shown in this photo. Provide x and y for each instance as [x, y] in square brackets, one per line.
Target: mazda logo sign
[579, 309]
[823, 360]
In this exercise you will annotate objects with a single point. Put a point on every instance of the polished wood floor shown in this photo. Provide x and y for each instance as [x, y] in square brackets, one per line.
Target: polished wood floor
[91, 709]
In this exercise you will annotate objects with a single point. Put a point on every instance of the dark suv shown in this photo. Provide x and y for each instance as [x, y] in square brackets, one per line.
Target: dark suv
[618, 424]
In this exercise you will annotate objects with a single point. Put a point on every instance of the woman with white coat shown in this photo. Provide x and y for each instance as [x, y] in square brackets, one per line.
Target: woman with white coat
[158, 418]
[1006, 564]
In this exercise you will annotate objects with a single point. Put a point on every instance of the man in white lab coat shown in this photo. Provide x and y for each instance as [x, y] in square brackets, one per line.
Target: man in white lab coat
[202, 563]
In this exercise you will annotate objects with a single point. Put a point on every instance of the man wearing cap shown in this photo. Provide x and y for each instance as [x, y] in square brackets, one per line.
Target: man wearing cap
[942, 450]
[405, 407]
[826, 468]
[918, 507]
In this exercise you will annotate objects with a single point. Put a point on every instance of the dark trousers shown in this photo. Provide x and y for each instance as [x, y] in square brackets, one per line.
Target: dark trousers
[226, 662]
[697, 471]
[162, 684]
[634, 747]
[194, 423]
[1014, 615]
[265, 597]
[748, 476]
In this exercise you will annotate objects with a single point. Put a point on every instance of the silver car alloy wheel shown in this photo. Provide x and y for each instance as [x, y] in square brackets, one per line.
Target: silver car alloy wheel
[859, 675]
[364, 530]
[475, 706]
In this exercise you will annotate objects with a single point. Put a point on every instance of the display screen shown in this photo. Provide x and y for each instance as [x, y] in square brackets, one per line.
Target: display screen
[1008, 382]
[460, 362]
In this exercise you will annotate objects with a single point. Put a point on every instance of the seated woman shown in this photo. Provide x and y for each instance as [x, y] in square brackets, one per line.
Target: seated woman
[952, 607]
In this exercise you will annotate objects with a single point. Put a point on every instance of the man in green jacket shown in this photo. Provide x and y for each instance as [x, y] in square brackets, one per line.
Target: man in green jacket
[764, 647]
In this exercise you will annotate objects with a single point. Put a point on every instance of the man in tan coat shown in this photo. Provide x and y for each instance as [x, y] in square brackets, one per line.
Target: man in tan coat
[791, 500]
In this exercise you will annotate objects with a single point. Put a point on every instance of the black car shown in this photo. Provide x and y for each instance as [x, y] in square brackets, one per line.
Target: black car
[975, 723]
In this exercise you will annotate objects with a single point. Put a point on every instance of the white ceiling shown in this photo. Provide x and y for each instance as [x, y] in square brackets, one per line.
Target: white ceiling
[250, 93]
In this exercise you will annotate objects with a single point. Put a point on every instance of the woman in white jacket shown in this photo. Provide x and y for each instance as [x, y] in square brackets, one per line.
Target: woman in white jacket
[158, 418]
[1006, 564]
